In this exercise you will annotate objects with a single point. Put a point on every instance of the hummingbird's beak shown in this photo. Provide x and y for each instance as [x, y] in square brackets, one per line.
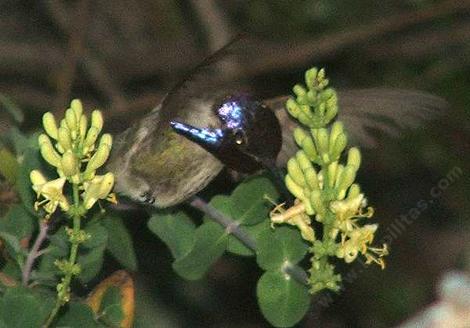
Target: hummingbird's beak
[209, 139]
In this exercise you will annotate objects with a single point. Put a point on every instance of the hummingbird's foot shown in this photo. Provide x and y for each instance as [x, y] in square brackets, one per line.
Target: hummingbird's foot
[147, 198]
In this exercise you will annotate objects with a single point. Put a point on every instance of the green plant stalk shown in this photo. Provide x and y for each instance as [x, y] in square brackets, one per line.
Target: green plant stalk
[72, 258]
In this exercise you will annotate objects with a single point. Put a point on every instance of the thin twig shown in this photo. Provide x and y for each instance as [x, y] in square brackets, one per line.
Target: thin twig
[233, 228]
[34, 253]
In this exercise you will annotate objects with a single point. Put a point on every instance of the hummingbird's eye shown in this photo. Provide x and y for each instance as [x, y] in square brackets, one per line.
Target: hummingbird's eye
[239, 137]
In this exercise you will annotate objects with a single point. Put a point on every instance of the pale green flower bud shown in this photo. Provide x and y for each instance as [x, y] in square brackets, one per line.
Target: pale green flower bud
[59, 148]
[77, 107]
[322, 141]
[311, 96]
[354, 157]
[309, 148]
[83, 127]
[339, 171]
[311, 178]
[65, 139]
[106, 139]
[47, 150]
[321, 74]
[50, 125]
[354, 191]
[331, 106]
[97, 120]
[37, 178]
[339, 145]
[304, 116]
[317, 203]
[294, 188]
[300, 135]
[295, 172]
[347, 177]
[311, 78]
[331, 173]
[292, 107]
[71, 120]
[302, 160]
[91, 136]
[99, 158]
[70, 164]
[337, 128]
[299, 90]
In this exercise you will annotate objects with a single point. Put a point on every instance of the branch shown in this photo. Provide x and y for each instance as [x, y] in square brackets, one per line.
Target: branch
[34, 253]
[233, 228]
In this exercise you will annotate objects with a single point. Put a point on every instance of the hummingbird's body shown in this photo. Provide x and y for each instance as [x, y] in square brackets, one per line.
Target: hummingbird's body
[155, 164]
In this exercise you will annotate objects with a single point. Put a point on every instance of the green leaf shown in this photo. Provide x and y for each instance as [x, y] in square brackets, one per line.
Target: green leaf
[90, 263]
[209, 245]
[23, 183]
[78, 315]
[249, 204]
[283, 301]
[120, 242]
[8, 165]
[18, 222]
[275, 248]
[98, 236]
[111, 309]
[12, 242]
[22, 308]
[175, 229]
[235, 246]
[12, 269]
[60, 239]
[46, 264]
[15, 112]
[21, 142]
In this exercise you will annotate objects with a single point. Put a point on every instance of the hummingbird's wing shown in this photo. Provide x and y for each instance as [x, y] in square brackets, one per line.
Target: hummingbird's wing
[188, 100]
[367, 113]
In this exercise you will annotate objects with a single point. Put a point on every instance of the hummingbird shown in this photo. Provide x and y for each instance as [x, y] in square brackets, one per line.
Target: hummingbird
[203, 125]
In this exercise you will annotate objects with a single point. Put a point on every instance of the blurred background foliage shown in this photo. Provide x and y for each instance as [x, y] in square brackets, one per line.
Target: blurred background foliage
[122, 56]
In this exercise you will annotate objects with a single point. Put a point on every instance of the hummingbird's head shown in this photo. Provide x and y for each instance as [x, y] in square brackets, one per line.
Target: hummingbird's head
[248, 139]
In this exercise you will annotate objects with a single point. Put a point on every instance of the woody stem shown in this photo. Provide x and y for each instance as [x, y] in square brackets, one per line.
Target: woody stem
[233, 228]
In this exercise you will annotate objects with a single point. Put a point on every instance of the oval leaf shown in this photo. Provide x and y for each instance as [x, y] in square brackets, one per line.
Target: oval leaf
[283, 301]
[120, 242]
[175, 229]
[249, 203]
[235, 246]
[276, 247]
[210, 242]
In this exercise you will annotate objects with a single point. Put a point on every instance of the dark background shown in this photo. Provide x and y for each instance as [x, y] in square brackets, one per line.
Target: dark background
[122, 56]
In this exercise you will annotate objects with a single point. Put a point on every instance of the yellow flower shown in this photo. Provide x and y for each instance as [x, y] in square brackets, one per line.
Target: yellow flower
[347, 212]
[358, 241]
[51, 191]
[98, 188]
[295, 216]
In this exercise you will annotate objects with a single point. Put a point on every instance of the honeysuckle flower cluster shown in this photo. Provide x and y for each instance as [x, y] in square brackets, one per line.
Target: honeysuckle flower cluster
[324, 187]
[76, 151]
[71, 147]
